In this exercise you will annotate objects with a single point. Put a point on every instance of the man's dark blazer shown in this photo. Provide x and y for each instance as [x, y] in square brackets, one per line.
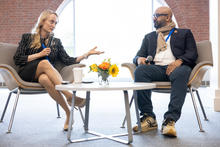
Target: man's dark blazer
[182, 42]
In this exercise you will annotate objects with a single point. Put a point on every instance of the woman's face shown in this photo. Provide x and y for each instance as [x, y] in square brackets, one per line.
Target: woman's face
[50, 23]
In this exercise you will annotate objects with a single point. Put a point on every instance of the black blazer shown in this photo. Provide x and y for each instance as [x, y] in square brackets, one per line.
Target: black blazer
[182, 42]
[57, 52]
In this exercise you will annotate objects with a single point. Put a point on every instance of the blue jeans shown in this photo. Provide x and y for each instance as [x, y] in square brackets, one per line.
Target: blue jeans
[178, 78]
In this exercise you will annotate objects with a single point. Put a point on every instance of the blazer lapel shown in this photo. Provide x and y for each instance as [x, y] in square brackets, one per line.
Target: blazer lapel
[173, 37]
[154, 44]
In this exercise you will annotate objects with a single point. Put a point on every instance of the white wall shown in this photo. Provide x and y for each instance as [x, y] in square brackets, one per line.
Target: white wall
[1, 79]
[213, 12]
[217, 66]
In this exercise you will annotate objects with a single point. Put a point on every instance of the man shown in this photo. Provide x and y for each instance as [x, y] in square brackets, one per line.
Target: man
[174, 54]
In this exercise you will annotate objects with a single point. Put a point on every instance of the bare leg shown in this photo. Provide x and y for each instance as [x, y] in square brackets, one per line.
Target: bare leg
[55, 75]
[56, 95]
[78, 100]
[68, 95]
[44, 67]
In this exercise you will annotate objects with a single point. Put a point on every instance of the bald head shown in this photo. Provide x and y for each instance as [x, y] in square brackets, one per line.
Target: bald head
[164, 10]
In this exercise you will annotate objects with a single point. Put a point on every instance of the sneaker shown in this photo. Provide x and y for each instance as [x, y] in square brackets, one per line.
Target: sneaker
[168, 128]
[148, 123]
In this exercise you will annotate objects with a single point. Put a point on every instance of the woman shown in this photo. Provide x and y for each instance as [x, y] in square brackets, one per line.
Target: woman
[36, 61]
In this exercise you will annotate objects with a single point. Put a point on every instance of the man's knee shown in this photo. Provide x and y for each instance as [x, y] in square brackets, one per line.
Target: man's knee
[141, 74]
[182, 72]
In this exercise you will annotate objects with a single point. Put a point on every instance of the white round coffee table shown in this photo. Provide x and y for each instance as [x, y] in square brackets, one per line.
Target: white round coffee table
[124, 86]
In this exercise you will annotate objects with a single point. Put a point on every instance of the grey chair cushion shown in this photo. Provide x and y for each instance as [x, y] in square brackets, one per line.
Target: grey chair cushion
[67, 73]
[7, 53]
[204, 49]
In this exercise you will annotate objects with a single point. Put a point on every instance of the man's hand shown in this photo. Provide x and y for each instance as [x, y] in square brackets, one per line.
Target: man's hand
[173, 66]
[141, 60]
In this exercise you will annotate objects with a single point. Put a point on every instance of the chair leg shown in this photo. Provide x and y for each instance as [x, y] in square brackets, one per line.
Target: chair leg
[13, 112]
[58, 111]
[201, 105]
[123, 123]
[196, 110]
[81, 114]
[6, 106]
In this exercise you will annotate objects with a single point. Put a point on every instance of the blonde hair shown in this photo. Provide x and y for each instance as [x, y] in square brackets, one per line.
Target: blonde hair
[36, 30]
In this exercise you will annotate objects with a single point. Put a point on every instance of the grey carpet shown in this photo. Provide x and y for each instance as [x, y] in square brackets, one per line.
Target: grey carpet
[36, 124]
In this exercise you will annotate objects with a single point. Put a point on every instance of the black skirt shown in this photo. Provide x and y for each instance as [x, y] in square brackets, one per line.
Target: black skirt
[28, 71]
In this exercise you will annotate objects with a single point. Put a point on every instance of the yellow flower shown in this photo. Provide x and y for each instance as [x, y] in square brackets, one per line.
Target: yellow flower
[93, 68]
[113, 70]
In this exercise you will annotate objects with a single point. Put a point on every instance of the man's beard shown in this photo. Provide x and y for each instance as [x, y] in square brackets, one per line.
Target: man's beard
[158, 25]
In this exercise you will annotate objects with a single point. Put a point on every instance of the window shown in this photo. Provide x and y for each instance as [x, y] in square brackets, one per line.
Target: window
[117, 27]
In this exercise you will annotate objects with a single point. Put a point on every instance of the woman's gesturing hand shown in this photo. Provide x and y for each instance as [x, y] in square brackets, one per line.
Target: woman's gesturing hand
[94, 51]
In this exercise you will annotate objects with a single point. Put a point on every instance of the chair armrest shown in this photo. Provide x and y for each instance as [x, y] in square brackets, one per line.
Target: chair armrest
[9, 74]
[198, 73]
[131, 68]
[67, 73]
[13, 80]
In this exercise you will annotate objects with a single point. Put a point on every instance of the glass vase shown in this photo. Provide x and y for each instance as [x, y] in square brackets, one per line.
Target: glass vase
[103, 78]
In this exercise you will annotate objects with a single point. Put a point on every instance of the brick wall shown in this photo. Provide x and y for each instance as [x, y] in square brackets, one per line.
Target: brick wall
[19, 16]
[193, 14]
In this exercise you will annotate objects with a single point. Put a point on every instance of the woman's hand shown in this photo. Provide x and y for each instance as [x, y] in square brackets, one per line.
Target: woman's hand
[45, 52]
[94, 52]
[90, 52]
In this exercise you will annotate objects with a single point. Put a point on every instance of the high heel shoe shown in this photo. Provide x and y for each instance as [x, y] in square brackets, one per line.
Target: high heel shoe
[79, 102]
[66, 126]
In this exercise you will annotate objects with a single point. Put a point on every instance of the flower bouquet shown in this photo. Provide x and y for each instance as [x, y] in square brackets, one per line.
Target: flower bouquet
[104, 70]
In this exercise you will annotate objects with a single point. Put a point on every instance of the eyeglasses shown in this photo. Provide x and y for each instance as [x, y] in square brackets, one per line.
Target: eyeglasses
[156, 15]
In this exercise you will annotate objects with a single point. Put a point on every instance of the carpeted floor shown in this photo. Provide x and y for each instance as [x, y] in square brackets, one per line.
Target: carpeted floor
[36, 125]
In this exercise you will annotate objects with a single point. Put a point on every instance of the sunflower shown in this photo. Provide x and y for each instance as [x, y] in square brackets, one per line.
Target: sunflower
[93, 68]
[113, 70]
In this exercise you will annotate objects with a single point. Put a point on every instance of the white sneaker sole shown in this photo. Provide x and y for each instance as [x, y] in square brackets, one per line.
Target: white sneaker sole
[169, 132]
[135, 129]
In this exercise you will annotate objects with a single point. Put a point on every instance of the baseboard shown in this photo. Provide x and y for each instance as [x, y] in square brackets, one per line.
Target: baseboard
[205, 84]
[2, 85]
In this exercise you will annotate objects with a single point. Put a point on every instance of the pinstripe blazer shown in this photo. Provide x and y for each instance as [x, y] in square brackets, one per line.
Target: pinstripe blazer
[57, 52]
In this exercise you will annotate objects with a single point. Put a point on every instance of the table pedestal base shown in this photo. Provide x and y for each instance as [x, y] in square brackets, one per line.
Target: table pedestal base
[99, 135]
[102, 136]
